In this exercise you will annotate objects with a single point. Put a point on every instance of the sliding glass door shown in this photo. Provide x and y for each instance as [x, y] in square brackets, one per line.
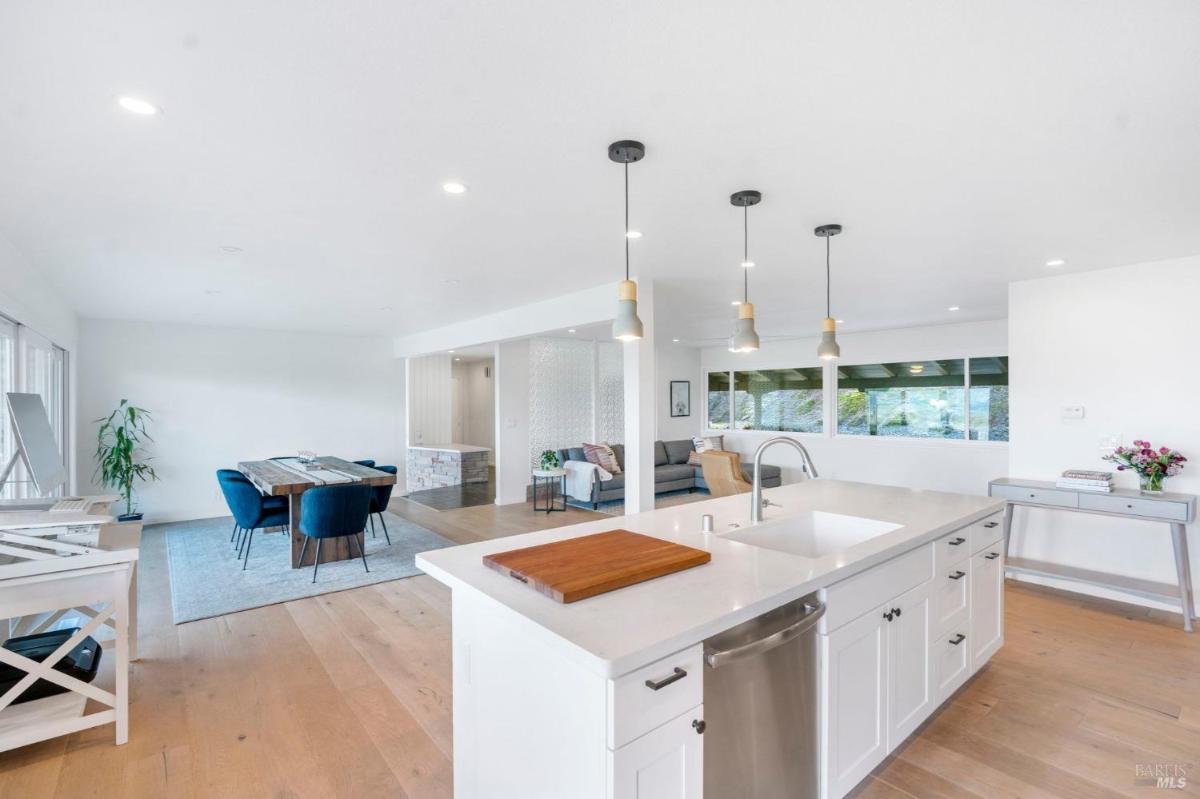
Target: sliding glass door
[30, 363]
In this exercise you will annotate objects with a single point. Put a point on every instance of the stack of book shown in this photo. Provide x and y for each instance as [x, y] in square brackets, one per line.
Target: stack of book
[1084, 480]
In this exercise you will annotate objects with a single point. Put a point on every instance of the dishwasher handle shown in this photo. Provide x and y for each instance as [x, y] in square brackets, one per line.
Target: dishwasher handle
[767, 643]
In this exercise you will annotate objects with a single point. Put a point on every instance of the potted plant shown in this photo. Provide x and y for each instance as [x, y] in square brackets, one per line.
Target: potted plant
[549, 460]
[1151, 465]
[119, 459]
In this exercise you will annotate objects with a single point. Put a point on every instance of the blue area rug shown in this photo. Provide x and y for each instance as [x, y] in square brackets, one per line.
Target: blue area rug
[207, 578]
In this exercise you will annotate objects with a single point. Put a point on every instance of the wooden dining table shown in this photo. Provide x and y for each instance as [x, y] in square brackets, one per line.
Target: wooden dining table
[289, 477]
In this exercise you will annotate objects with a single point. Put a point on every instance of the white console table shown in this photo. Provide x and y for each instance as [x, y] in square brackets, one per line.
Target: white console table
[39, 575]
[1176, 510]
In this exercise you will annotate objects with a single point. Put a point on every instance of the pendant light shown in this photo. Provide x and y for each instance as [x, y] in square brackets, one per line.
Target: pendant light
[745, 338]
[626, 325]
[828, 349]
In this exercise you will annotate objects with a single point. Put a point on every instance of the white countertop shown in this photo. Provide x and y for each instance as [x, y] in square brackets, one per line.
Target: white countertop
[450, 447]
[622, 630]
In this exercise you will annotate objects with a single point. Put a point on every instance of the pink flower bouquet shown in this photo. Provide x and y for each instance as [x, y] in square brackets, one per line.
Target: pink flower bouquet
[1151, 465]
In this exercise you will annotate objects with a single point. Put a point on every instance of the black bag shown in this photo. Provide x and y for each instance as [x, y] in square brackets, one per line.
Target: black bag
[82, 662]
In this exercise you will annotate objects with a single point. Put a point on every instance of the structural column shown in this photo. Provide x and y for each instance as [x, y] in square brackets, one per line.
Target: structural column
[640, 422]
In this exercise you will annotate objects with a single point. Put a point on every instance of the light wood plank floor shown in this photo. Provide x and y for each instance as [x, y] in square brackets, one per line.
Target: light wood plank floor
[348, 695]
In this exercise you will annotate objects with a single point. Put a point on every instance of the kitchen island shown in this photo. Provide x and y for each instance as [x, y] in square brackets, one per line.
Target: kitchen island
[550, 699]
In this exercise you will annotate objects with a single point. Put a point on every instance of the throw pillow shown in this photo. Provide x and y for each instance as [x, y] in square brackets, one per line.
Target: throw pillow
[704, 443]
[603, 456]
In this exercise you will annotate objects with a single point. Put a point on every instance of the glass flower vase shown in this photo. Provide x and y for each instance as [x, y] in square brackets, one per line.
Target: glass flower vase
[1151, 483]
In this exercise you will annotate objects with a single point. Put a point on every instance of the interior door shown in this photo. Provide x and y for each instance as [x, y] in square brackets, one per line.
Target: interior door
[854, 702]
[910, 676]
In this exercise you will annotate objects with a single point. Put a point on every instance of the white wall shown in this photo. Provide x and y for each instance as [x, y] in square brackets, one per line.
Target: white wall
[964, 466]
[677, 362]
[512, 414]
[1122, 343]
[429, 398]
[222, 395]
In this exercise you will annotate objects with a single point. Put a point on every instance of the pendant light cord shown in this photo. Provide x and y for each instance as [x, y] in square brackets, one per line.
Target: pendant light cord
[745, 253]
[827, 280]
[627, 220]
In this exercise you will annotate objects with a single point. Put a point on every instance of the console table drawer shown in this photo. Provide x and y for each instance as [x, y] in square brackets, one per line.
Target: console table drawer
[1151, 508]
[1042, 496]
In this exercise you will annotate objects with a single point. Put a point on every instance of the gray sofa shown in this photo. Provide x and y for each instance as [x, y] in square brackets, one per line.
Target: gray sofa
[672, 472]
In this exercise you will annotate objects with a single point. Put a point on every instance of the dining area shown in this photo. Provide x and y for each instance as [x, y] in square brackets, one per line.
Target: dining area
[324, 505]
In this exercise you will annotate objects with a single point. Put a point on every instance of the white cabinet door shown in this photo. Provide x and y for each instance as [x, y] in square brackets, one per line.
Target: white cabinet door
[854, 702]
[987, 605]
[665, 763]
[909, 673]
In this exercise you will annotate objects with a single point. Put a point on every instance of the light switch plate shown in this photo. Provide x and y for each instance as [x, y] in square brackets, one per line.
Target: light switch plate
[1072, 411]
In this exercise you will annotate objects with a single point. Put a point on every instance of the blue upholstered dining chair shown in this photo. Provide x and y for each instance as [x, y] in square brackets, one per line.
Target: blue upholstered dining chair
[334, 512]
[250, 509]
[380, 497]
[370, 464]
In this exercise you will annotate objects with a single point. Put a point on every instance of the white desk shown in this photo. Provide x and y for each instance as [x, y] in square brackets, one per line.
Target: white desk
[39, 575]
[1176, 510]
[89, 528]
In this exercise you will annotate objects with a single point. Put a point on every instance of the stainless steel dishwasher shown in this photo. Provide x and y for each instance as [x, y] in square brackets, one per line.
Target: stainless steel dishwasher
[760, 706]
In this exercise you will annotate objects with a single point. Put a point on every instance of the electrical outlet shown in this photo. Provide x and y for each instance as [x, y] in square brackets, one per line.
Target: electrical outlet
[1072, 411]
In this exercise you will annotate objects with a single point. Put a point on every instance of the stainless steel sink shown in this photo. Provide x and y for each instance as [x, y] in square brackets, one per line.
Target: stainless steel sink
[812, 534]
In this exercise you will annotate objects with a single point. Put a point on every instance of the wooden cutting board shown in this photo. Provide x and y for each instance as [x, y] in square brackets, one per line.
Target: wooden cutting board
[578, 568]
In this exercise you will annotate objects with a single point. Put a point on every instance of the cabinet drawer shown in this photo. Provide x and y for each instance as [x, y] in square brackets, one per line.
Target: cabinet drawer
[1042, 496]
[1152, 508]
[986, 531]
[635, 708]
[849, 599]
[951, 597]
[951, 549]
[951, 662]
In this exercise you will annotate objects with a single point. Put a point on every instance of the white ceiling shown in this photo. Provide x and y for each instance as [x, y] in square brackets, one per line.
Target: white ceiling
[961, 144]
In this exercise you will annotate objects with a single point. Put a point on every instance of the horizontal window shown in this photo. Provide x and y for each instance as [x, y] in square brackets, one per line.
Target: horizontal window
[718, 400]
[945, 398]
[784, 400]
[989, 399]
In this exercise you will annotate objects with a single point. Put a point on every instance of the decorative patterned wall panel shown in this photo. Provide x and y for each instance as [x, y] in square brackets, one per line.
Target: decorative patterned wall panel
[561, 394]
[610, 393]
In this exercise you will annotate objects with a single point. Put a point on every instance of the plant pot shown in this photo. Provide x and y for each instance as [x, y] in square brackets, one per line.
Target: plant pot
[129, 517]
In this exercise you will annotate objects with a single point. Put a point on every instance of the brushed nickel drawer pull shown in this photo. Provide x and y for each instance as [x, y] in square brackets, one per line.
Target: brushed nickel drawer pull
[992, 555]
[958, 639]
[956, 541]
[990, 525]
[676, 676]
[958, 575]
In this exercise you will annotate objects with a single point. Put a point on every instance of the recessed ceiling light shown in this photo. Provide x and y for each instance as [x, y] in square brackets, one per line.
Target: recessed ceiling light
[736, 302]
[454, 188]
[1054, 263]
[675, 340]
[136, 105]
[747, 264]
[230, 248]
[451, 281]
[952, 308]
[450, 351]
[458, 359]
[841, 321]
[386, 308]
[571, 330]
[633, 234]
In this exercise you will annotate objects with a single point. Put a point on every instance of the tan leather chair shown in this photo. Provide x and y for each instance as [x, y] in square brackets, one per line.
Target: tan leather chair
[723, 473]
